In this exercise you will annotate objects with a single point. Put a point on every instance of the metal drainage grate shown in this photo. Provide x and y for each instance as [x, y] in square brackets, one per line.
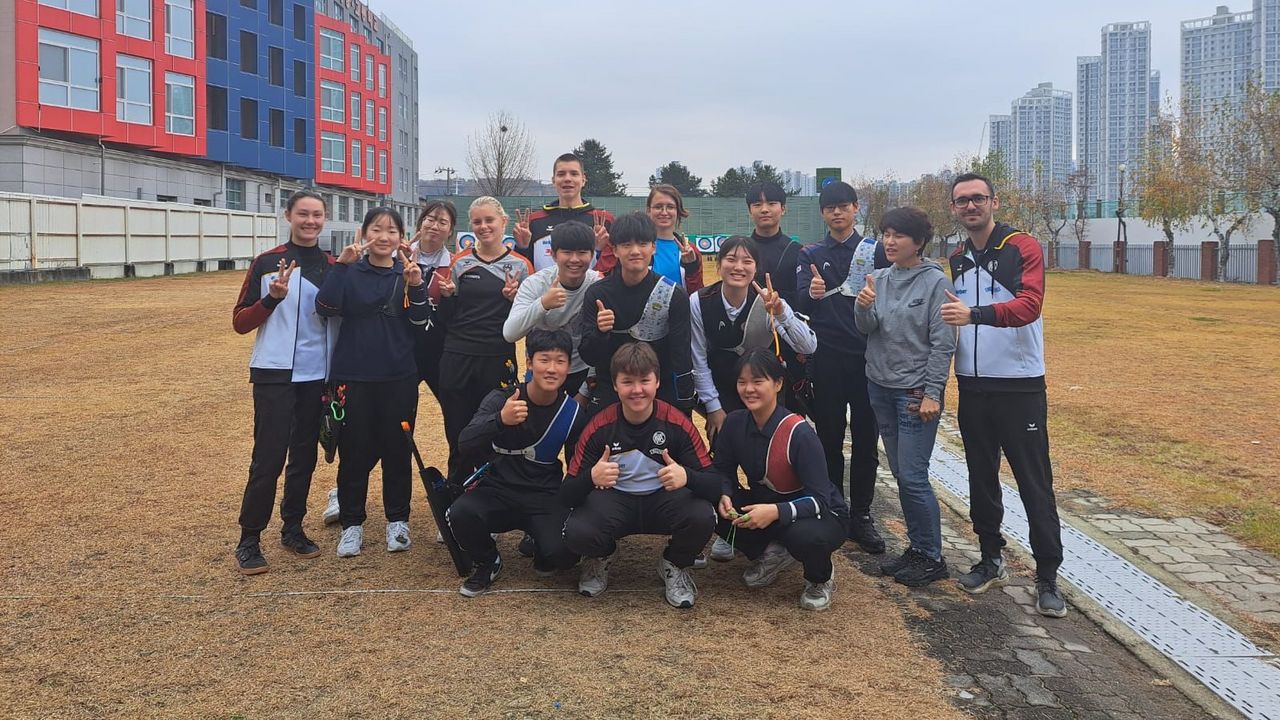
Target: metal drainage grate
[1241, 673]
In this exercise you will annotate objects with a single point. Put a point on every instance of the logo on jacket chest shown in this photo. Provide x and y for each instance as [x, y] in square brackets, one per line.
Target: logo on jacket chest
[916, 303]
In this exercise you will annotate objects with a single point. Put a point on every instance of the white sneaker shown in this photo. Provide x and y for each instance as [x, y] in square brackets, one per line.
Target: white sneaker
[681, 590]
[817, 596]
[721, 551]
[594, 577]
[398, 536]
[331, 510]
[700, 562]
[767, 567]
[439, 536]
[351, 541]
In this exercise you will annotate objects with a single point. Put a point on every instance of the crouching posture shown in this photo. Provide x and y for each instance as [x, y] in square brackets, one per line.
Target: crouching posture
[520, 433]
[640, 468]
[789, 510]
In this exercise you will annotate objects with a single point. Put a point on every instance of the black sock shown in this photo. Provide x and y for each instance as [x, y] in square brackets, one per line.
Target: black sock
[249, 535]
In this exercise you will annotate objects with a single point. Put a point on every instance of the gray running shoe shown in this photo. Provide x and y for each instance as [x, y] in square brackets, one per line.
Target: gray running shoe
[1049, 600]
[817, 596]
[766, 568]
[331, 509]
[351, 542]
[987, 574]
[681, 590]
[594, 577]
[721, 551]
[398, 536]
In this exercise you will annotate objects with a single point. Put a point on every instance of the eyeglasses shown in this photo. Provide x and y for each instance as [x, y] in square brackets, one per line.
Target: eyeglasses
[977, 200]
[433, 220]
[662, 207]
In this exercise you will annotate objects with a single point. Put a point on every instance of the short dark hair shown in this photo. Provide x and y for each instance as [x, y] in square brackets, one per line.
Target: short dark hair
[305, 193]
[733, 243]
[910, 221]
[540, 340]
[637, 359]
[434, 205]
[966, 177]
[377, 212]
[635, 227]
[760, 363]
[572, 236]
[766, 191]
[568, 157]
[837, 193]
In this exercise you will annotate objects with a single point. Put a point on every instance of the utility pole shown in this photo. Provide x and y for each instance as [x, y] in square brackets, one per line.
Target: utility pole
[448, 177]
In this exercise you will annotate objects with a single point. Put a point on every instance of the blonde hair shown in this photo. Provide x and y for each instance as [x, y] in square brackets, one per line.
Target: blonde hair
[484, 200]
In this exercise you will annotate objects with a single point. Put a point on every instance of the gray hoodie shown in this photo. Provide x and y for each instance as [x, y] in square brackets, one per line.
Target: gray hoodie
[908, 344]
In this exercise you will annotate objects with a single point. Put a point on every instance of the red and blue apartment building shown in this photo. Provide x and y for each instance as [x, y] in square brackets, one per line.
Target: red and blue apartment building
[228, 103]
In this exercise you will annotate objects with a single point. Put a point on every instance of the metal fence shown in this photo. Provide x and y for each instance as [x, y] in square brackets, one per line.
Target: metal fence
[1242, 264]
[1102, 257]
[1186, 262]
[1139, 259]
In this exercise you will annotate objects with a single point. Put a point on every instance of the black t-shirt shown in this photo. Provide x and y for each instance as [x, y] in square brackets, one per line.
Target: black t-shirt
[778, 256]
[486, 430]
[475, 314]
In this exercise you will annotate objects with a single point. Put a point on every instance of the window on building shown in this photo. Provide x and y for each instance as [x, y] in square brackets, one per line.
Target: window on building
[68, 70]
[344, 208]
[275, 12]
[333, 153]
[300, 78]
[368, 72]
[235, 194]
[368, 118]
[335, 10]
[356, 152]
[382, 167]
[179, 28]
[357, 209]
[249, 52]
[133, 89]
[382, 80]
[215, 35]
[382, 124]
[355, 63]
[368, 162]
[253, 4]
[83, 7]
[202, 202]
[299, 22]
[167, 198]
[180, 103]
[331, 49]
[275, 66]
[355, 111]
[216, 99]
[300, 145]
[275, 127]
[331, 105]
[248, 119]
[133, 18]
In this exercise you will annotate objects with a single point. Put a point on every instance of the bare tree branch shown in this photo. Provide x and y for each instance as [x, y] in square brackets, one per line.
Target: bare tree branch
[501, 155]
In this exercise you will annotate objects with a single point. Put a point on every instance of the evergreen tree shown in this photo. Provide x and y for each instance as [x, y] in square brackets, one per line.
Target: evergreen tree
[677, 174]
[597, 164]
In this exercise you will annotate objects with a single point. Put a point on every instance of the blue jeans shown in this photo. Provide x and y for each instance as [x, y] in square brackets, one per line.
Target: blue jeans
[908, 441]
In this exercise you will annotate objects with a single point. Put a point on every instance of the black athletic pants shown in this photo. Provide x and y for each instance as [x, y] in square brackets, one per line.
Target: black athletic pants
[286, 423]
[594, 527]
[464, 381]
[426, 354]
[1013, 422]
[840, 390]
[810, 540]
[491, 507]
[372, 432]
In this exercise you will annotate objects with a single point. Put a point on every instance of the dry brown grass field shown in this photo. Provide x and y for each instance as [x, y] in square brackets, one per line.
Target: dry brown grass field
[126, 442]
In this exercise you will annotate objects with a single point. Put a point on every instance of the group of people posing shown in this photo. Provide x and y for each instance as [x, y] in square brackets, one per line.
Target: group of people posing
[623, 343]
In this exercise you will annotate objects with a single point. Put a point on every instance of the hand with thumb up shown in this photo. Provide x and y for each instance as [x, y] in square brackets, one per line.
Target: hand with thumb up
[514, 410]
[604, 317]
[867, 295]
[604, 474]
[673, 476]
[955, 311]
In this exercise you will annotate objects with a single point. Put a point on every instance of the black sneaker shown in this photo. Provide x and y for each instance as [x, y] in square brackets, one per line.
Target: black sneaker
[481, 578]
[862, 530]
[249, 557]
[527, 547]
[921, 570]
[1049, 600]
[892, 566]
[988, 573]
[299, 544]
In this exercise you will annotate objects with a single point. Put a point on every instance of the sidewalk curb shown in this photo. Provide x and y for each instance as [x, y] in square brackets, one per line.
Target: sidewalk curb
[1187, 684]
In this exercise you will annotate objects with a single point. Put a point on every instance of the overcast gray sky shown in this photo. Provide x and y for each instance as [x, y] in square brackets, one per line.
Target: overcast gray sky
[891, 87]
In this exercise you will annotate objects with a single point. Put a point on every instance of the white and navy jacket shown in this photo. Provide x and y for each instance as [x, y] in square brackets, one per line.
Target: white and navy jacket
[1003, 346]
[294, 343]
